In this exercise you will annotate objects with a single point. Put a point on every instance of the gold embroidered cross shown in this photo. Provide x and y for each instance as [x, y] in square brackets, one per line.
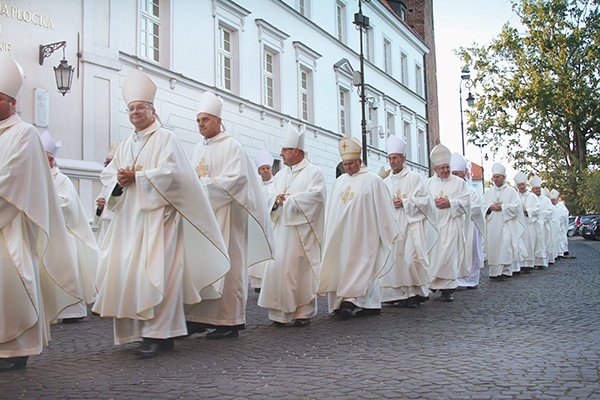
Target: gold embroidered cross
[441, 195]
[344, 146]
[399, 195]
[202, 168]
[347, 195]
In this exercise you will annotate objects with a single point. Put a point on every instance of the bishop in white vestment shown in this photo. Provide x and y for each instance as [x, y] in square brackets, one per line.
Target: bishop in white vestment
[298, 211]
[36, 278]
[228, 176]
[406, 284]
[360, 236]
[452, 198]
[532, 225]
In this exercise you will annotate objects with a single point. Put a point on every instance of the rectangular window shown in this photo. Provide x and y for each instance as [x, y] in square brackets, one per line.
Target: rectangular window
[344, 112]
[341, 22]
[269, 79]
[303, 8]
[305, 94]
[421, 147]
[150, 30]
[368, 47]
[389, 123]
[419, 80]
[406, 137]
[387, 56]
[403, 69]
[372, 123]
[225, 58]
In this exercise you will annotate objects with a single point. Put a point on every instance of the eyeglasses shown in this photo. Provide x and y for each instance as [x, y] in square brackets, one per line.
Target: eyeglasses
[137, 108]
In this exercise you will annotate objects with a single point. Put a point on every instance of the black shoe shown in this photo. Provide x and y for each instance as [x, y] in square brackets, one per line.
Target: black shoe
[301, 322]
[447, 296]
[222, 333]
[346, 309]
[195, 327]
[413, 302]
[71, 320]
[151, 347]
[473, 287]
[13, 364]
[279, 324]
[368, 311]
[526, 270]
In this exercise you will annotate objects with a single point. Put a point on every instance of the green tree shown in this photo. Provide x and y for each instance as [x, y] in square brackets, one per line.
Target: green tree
[538, 91]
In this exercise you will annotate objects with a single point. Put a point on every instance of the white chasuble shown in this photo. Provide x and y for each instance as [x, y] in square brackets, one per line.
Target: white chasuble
[228, 176]
[417, 219]
[36, 276]
[291, 281]
[360, 236]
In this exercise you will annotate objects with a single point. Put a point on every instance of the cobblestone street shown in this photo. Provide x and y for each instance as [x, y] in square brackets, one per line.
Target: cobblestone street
[531, 337]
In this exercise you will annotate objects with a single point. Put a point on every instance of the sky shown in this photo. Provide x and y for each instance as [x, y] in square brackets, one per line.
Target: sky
[461, 23]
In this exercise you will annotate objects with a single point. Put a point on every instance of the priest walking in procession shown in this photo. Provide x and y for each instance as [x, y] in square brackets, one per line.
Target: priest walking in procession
[297, 211]
[360, 237]
[504, 225]
[146, 273]
[228, 176]
[532, 226]
[406, 285]
[36, 276]
[452, 199]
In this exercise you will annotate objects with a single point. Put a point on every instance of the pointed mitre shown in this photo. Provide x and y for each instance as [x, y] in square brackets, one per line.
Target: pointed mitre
[554, 194]
[498, 169]
[138, 86]
[395, 145]
[383, 173]
[11, 76]
[350, 148]
[263, 157]
[440, 155]
[520, 177]
[50, 146]
[535, 181]
[211, 104]
[293, 138]
[545, 192]
[457, 163]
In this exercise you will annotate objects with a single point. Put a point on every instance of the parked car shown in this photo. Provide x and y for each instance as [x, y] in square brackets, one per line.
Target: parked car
[584, 226]
[571, 229]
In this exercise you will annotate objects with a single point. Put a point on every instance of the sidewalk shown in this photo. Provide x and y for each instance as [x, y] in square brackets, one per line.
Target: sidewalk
[532, 336]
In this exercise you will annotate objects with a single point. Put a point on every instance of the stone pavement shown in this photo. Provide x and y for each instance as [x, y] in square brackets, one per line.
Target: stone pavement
[530, 337]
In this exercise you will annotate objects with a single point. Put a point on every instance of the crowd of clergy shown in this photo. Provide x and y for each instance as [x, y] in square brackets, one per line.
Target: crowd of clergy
[181, 239]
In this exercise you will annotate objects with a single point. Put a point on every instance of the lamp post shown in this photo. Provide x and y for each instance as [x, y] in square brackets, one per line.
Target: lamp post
[362, 23]
[465, 80]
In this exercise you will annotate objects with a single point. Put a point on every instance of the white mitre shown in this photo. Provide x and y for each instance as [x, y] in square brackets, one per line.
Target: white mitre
[520, 177]
[138, 86]
[395, 145]
[535, 181]
[499, 169]
[545, 192]
[50, 146]
[210, 104]
[293, 139]
[457, 163]
[263, 157]
[554, 194]
[350, 148]
[440, 155]
[11, 76]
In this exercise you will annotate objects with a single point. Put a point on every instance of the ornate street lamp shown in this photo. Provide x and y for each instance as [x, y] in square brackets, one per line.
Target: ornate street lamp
[465, 80]
[362, 24]
[63, 72]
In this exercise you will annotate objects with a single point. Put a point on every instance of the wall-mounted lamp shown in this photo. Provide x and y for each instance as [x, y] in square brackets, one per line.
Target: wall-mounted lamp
[63, 72]
[373, 103]
[379, 130]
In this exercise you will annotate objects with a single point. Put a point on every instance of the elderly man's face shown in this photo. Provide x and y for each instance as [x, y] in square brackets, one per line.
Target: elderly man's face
[442, 170]
[522, 187]
[141, 114]
[498, 179]
[537, 190]
[460, 174]
[208, 125]
[351, 166]
[396, 162]
[7, 106]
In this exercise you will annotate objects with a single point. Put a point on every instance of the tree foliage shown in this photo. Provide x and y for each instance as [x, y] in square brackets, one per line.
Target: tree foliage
[538, 92]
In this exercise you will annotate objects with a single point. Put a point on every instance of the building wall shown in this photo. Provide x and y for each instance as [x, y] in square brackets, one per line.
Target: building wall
[92, 117]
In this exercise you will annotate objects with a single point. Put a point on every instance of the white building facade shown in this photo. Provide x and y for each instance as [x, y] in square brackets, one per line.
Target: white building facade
[272, 61]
